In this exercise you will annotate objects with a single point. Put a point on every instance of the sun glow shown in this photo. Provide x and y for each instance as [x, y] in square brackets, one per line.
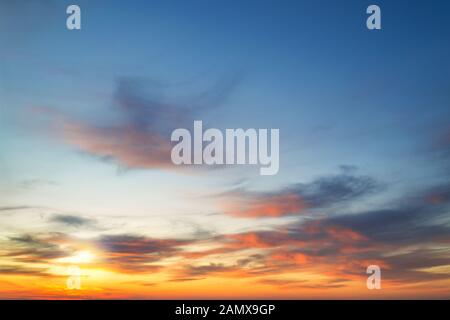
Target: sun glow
[81, 257]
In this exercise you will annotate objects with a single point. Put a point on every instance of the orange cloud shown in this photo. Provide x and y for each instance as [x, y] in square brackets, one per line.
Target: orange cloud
[271, 206]
[126, 145]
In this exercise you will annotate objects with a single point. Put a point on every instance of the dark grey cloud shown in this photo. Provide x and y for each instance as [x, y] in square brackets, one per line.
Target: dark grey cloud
[138, 253]
[300, 283]
[414, 219]
[146, 110]
[24, 271]
[411, 266]
[134, 244]
[14, 208]
[35, 183]
[335, 189]
[144, 106]
[203, 270]
[36, 248]
[322, 193]
[71, 220]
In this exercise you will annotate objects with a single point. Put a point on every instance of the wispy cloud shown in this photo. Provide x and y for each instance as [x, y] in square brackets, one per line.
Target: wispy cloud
[36, 248]
[140, 138]
[14, 208]
[24, 271]
[71, 220]
[138, 253]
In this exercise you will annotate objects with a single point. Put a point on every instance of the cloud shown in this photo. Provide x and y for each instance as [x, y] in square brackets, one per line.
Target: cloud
[36, 248]
[14, 208]
[137, 253]
[140, 138]
[35, 183]
[301, 283]
[323, 192]
[203, 270]
[408, 239]
[417, 218]
[267, 205]
[309, 247]
[124, 144]
[139, 244]
[71, 220]
[23, 271]
[332, 190]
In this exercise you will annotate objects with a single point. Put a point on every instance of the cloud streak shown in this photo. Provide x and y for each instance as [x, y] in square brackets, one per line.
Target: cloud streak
[71, 220]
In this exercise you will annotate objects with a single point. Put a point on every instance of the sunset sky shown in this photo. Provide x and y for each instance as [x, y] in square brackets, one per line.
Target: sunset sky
[86, 178]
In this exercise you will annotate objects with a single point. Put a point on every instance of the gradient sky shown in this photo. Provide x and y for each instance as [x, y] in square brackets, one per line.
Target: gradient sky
[86, 178]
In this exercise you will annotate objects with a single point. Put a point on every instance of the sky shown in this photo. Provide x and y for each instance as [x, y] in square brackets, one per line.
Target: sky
[86, 178]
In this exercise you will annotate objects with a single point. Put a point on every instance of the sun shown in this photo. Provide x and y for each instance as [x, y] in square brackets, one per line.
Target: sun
[81, 257]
